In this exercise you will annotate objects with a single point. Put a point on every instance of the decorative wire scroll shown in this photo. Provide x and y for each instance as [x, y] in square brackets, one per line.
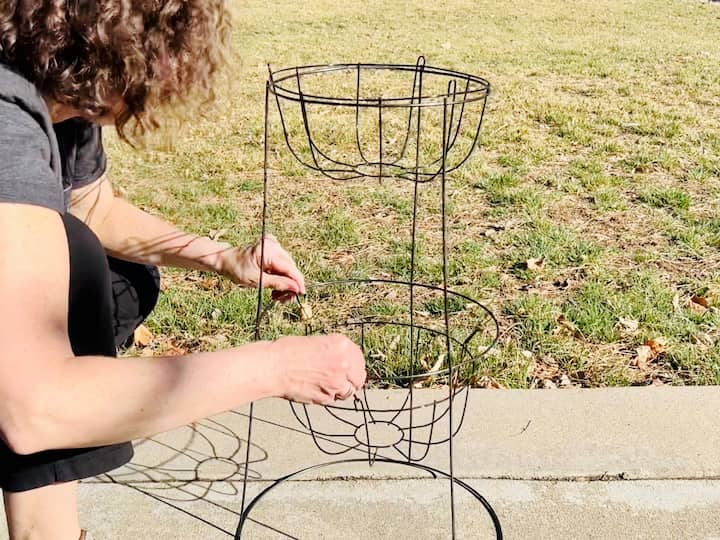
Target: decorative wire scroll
[396, 122]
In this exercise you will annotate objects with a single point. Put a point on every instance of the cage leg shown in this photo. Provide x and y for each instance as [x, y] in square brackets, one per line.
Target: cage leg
[447, 316]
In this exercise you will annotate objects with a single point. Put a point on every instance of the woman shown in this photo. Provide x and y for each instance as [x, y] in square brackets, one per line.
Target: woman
[67, 405]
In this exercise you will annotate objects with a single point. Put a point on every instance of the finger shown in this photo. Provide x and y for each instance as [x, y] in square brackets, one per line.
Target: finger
[357, 374]
[280, 283]
[283, 297]
[357, 377]
[279, 261]
[350, 391]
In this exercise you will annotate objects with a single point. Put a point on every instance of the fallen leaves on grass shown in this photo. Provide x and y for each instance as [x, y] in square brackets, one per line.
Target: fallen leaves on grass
[649, 352]
[698, 304]
[306, 312]
[142, 336]
[643, 357]
[217, 234]
[535, 265]
[343, 258]
[629, 326]
[488, 382]
[566, 327]
[657, 345]
[209, 283]
[546, 374]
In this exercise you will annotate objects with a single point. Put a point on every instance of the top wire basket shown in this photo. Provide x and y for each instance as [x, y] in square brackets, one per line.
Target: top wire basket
[348, 121]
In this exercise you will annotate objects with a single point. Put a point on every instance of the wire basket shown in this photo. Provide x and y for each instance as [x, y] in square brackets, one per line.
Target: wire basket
[387, 120]
[409, 343]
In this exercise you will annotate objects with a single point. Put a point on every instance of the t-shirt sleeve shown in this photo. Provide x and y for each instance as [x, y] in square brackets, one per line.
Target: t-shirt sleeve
[82, 154]
[26, 173]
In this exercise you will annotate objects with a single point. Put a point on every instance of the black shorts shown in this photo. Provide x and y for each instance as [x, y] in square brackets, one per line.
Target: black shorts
[108, 299]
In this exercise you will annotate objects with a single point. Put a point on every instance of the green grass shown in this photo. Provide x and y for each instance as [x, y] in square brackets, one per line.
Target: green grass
[670, 198]
[600, 156]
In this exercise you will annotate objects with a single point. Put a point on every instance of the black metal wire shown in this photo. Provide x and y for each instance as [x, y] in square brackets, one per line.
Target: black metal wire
[492, 322]
[287, 87]
[410, 425]
[435, 473]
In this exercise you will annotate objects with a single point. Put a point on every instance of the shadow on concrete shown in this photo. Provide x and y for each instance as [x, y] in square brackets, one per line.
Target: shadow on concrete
[198, 466]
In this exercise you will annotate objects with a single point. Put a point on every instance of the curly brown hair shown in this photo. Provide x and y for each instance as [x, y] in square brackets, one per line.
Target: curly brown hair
[88, 53]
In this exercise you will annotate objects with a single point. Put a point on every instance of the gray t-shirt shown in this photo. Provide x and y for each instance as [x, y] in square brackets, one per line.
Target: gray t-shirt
[30, 167]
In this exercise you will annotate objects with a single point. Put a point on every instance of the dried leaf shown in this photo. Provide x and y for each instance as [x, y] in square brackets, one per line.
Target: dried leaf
[172, 350]
[676, 302]
[701, 300]
[489, 382]
[548, 384]
[565, 381]
[657, 345]
[142, 336]
[644, 355]
[629, 325]
[696, 307]
[305, 311]
[535, 264]
[566, 326]
[216, 235]
[343, 258]
[209, 283]
[545, 368]
[438, 364]
[216, 314]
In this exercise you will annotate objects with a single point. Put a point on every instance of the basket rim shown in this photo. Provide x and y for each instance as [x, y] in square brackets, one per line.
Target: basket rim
[477, 89]
[411, 379]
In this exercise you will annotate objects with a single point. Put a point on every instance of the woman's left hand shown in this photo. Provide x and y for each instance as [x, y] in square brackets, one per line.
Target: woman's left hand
[242, 265]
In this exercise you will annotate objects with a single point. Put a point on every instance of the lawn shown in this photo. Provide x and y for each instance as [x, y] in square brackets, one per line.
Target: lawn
[588, 221]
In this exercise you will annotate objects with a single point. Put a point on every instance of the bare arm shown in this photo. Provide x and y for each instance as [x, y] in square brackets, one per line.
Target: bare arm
[51, 399]
[130, 233]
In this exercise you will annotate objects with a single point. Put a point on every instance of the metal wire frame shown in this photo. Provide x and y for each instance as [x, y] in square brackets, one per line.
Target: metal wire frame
[462, 89]
[469, 358]
[452, 107]
[435, 473]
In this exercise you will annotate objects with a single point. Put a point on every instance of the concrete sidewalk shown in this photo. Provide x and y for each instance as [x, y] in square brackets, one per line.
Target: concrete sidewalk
[610, 463]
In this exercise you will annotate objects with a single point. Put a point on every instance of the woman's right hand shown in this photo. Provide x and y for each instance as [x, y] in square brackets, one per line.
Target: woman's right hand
[318, 369]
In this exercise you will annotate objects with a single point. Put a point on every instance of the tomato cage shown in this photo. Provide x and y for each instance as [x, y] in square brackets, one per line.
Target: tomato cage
[379, 140]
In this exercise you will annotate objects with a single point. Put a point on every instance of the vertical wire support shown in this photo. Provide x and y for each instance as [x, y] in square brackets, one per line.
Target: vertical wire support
[357, 117]
[380, 136]
[448, 345]
[258, 312]
[413, 247]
